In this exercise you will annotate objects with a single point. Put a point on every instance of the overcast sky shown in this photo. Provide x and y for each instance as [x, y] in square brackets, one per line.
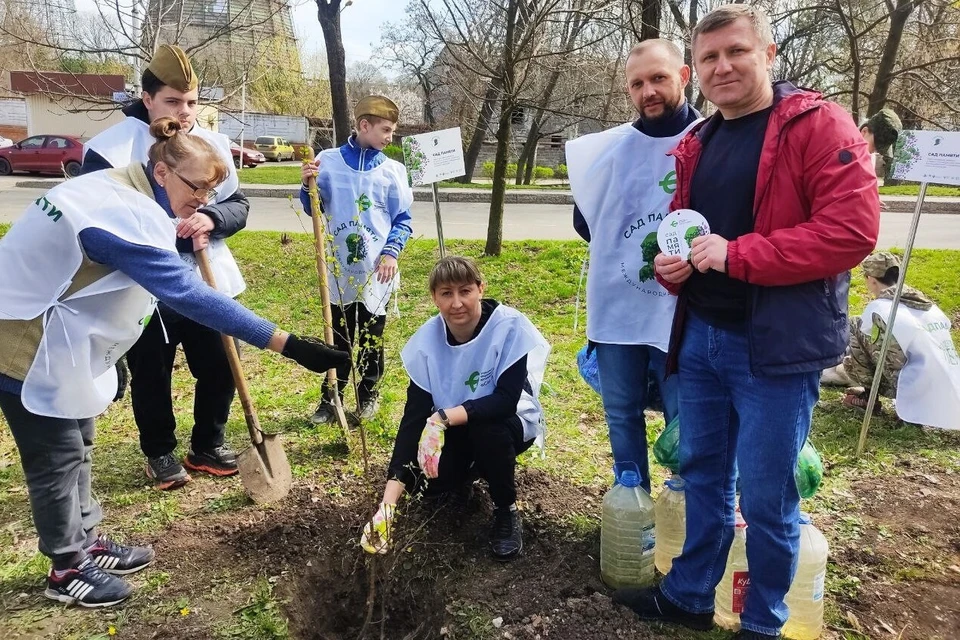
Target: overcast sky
[361, 24]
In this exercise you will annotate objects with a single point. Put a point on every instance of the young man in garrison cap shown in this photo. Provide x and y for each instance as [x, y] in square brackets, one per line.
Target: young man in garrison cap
[367, 199]
[881, 132]
[170, 88]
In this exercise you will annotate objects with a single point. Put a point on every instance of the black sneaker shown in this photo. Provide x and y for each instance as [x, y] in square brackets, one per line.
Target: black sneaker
[506, 540]
[88, 586]
[325, 414]
[117, 559]
[649, 603]
[219, 461]
[745, 634]
[166, 472]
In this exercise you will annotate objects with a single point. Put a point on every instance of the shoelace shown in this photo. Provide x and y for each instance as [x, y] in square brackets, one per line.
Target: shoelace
[110, 546]
[166, 461]
[503, 527]
[92, 573]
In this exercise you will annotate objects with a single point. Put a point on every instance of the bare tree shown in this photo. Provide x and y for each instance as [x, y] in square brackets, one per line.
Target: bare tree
[411, 49]
[328, 13]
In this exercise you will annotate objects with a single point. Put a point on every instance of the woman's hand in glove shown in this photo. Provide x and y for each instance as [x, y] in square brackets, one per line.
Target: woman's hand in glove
[313, 354]
[378, 533]
[428, 451]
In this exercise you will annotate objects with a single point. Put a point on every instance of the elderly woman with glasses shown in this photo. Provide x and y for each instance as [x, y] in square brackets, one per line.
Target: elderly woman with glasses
[83, 270]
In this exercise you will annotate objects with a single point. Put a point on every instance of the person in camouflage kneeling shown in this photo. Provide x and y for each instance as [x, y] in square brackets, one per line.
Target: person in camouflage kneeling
[881, 269]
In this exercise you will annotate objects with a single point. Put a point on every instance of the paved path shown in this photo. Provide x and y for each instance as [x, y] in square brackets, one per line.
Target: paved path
[521, 221]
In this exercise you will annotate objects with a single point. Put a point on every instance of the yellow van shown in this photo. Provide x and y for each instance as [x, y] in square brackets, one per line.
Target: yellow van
[274, 148]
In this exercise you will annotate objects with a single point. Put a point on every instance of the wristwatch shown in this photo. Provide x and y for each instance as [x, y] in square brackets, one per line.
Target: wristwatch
[443, 417]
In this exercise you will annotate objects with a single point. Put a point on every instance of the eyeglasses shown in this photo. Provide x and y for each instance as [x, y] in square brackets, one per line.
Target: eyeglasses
[199, 193]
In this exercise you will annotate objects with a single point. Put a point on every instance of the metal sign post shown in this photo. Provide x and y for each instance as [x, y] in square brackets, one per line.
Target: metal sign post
[436, 210]
[885, 345]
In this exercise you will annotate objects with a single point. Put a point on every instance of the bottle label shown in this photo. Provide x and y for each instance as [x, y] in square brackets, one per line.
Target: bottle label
[648, 539]
[818, 581]
[741, 584]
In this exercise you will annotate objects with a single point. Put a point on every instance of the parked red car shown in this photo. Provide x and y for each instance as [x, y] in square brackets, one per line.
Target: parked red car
[44, 154]
[251, 157]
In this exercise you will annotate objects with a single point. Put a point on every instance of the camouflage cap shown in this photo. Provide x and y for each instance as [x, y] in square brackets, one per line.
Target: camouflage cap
[877, 264]
[885, 126]
[172, 67]
[377, 106]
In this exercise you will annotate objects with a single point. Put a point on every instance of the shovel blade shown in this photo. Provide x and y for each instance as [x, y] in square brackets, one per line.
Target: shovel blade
[265, 471]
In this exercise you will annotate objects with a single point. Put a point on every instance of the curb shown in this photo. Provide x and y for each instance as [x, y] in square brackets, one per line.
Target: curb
[520, 196]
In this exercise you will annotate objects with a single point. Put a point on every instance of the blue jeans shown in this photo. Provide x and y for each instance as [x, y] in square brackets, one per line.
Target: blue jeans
[623, 372]
[731, 418]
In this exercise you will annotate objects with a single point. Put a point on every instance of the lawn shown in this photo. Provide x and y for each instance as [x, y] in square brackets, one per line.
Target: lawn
[914, 189]
[229, 569]
[266, 174]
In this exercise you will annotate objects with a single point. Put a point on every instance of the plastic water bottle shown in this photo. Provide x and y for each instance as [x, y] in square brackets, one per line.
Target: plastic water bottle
[671, 526]
[627, 534]
[732, 590]
[805, 598]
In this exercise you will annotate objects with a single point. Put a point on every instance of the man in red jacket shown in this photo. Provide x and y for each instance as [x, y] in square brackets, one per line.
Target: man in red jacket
[785, 181]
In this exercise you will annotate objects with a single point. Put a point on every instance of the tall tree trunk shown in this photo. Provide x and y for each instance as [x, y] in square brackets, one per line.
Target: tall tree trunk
[854, 45]
[881, 86]
[650, 19]
[480, 130]
[495, 223]
[532, 161]
[692, 18]
[328, 14]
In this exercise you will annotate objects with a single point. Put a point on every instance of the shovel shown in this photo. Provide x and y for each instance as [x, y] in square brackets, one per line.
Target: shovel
[319, 239]
[264, 469]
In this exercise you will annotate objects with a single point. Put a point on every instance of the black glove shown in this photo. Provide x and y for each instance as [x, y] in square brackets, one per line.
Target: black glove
[123, 378]
[313, 354]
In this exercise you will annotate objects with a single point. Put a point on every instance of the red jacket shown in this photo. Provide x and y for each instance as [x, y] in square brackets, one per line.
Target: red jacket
[816, 216]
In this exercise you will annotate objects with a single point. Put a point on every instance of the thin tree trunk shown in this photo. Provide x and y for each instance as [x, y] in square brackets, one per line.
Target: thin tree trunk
[854, 46]
[692, 19]
[480, 130]
[495, 223]
[328, 13]
[881, 86]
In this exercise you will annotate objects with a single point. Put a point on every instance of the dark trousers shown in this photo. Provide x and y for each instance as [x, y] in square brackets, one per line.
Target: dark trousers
[354, 326]
[151, 367]
[57, 457]
[488, 450]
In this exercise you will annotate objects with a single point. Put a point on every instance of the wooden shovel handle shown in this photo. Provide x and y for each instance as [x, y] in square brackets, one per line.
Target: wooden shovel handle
[320, 240]
[249, 411]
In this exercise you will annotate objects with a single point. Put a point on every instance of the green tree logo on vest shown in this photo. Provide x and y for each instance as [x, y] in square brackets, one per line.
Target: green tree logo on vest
[649, 247]
[363, 203]
[357, 248]
[473, 380]
[669, 182]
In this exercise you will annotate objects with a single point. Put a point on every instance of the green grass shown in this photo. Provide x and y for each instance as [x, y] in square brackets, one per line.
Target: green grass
[539, 278]
[914, 189]
[288, 174]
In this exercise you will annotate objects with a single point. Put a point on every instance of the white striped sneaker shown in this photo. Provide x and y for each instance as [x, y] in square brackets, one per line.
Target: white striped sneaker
[117, 559]
[87, 586]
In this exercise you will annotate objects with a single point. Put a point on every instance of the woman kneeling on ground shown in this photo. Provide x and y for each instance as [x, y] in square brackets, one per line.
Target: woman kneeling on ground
[83, 269]
[475, 373]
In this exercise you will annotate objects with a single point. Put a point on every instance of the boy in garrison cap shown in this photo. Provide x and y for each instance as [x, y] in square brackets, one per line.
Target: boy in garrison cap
[881, 132]
[170, 88]
[367, 199]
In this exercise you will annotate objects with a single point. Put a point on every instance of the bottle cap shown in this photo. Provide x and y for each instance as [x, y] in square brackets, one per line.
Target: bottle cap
[630, 479]
[674, 483]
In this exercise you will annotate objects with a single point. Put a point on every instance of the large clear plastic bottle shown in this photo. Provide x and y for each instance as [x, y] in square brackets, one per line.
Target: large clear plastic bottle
[627, 534]
[732, 590]
[671, 526]
[805, 598]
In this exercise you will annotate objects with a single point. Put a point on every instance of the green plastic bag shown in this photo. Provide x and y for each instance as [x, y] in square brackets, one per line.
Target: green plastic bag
[809, 471]
[666, 449]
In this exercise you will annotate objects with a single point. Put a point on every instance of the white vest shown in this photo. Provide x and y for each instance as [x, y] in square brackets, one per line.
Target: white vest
[928, 391]
[72, 374]
[129, 141]
[623, 181]
[360, 206]
[453, 374]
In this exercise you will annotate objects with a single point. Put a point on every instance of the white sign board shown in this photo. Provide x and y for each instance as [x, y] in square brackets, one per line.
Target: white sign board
[432, 157]
[928, 156]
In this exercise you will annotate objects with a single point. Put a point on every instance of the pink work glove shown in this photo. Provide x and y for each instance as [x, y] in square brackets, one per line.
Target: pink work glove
[428, 452]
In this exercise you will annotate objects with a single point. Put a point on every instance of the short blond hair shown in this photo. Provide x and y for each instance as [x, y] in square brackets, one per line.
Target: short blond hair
[728, 13]
[454, 270]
